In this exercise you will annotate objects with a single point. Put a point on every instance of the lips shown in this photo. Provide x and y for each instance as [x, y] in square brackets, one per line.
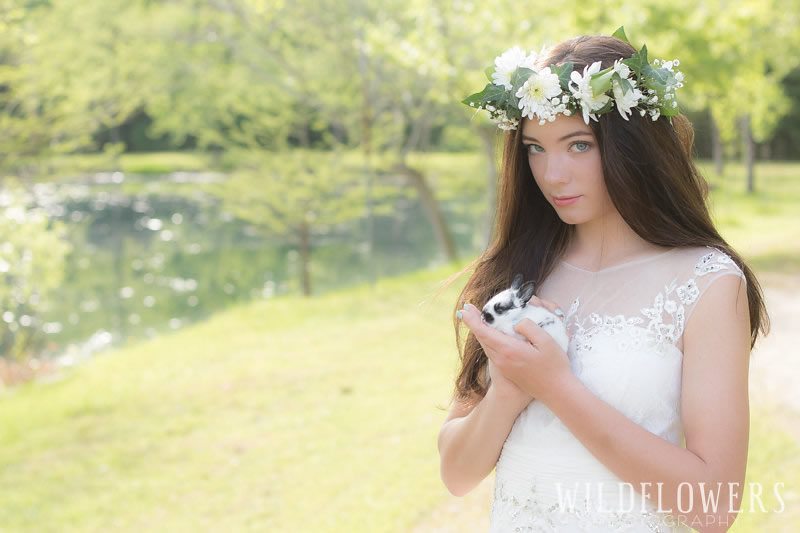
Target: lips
[564, 201]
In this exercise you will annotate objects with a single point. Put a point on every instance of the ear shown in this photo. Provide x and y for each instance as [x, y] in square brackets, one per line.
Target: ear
[515, 284]
[525, 292]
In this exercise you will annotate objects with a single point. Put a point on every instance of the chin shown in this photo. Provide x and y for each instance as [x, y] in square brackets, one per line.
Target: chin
[572, 218]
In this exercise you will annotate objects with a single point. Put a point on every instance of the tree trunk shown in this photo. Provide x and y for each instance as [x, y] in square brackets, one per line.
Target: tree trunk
[489, 136]
[716, 147]
[366, 143]
[764, 152]
[748, 153]
[305, 258]
[431, 206]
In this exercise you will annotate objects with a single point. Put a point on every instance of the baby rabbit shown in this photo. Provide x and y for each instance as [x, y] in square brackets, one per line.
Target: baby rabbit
[506, 308]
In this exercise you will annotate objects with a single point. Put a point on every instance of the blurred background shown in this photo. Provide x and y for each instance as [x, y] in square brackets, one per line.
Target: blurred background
[226, 224]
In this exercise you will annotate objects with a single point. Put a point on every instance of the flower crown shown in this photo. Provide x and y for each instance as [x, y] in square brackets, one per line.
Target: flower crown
[519, 89]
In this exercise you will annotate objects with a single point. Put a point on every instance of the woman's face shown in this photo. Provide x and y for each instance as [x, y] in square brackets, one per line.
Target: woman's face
[565, 161]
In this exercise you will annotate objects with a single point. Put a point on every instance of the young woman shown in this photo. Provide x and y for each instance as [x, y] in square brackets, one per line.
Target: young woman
[646, 416]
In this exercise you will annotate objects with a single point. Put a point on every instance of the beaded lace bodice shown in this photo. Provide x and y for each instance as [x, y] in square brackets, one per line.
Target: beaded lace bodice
[626, 327]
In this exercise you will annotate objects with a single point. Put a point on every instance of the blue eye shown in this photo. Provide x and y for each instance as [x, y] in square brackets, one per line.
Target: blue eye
[587, 145]
[534, 151]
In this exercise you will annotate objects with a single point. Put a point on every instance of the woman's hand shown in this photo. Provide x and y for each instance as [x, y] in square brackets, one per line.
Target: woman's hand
[547, 304]
[505, 389]
[537, 368]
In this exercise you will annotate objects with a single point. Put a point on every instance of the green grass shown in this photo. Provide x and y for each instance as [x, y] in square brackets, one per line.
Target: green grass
[774, 459]
[284, 415]
[153, 163]
[764, 226]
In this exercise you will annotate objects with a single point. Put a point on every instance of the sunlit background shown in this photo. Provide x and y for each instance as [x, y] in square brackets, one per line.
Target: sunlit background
[225, 225]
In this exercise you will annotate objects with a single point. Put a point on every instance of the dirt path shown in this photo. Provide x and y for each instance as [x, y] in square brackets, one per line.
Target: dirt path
[775, 363]
[774, 375]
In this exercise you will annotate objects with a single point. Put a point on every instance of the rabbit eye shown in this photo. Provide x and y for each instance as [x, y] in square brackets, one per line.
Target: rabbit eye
[500, 308]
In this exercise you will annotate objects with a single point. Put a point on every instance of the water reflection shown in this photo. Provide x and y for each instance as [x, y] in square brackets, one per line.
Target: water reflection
[151, 254]
[147, 259]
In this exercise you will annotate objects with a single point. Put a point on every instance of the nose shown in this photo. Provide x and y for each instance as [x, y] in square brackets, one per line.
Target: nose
[555, 170]
[487, 317]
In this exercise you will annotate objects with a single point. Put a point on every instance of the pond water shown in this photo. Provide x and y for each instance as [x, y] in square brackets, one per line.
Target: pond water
[152, 254]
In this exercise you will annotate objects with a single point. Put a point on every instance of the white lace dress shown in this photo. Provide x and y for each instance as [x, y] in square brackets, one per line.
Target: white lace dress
[626, 328]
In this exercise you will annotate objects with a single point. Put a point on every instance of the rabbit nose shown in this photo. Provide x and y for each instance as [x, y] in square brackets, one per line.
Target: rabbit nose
[487, 317]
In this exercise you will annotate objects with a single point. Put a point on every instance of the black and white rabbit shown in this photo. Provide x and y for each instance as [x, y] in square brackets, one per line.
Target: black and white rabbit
[507, 308]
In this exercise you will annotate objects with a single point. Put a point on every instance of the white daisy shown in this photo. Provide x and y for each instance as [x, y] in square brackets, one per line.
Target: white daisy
[536, 92]
[621, 68]
[508, 62]
[627, 101]
[580, 88]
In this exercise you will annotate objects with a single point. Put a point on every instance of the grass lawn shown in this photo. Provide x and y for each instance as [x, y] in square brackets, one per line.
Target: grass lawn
[277, 416]
[133, 163]
[301, 415]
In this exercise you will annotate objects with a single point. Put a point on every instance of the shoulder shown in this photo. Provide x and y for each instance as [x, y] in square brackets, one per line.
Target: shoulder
[715, 284]
[703, 260]
[698, 267]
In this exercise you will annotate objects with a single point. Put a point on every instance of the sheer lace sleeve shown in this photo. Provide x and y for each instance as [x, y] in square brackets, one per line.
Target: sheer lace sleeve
[709, 268]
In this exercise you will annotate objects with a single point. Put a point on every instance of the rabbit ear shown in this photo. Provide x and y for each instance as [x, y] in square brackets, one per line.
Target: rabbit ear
[525, 292]
[515, 284]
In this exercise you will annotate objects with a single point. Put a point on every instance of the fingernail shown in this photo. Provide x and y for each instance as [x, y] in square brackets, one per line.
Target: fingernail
[458, 315]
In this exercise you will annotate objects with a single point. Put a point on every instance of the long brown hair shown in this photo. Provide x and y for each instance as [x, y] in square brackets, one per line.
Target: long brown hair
[651, 179]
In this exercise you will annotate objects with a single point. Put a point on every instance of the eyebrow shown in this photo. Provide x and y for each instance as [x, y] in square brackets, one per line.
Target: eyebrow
[564, 138]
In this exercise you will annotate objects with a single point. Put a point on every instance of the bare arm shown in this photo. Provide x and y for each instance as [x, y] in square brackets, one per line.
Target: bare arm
[470, 441]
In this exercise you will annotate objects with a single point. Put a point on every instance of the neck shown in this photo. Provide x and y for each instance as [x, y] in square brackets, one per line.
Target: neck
[606, 241]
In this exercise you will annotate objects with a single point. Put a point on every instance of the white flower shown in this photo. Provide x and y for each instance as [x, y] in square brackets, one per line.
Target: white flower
[621, 68]
[536, 92]
[580, 88]
[508, 62]
[625, 101]
[505, 123]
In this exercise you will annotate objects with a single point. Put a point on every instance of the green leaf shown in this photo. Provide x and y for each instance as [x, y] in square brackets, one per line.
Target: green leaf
[489, 71]
[600, 82]
[489, 95]
[519, 77]
[623, 82]
[497, 96]
[656, 79]
[620, 34]
[668, 110]
[605, 108]
[563, 72]
[638, 61]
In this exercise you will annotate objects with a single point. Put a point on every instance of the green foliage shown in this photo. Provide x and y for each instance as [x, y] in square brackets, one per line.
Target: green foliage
[287, 191]
[620, 34]
[32, 257]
